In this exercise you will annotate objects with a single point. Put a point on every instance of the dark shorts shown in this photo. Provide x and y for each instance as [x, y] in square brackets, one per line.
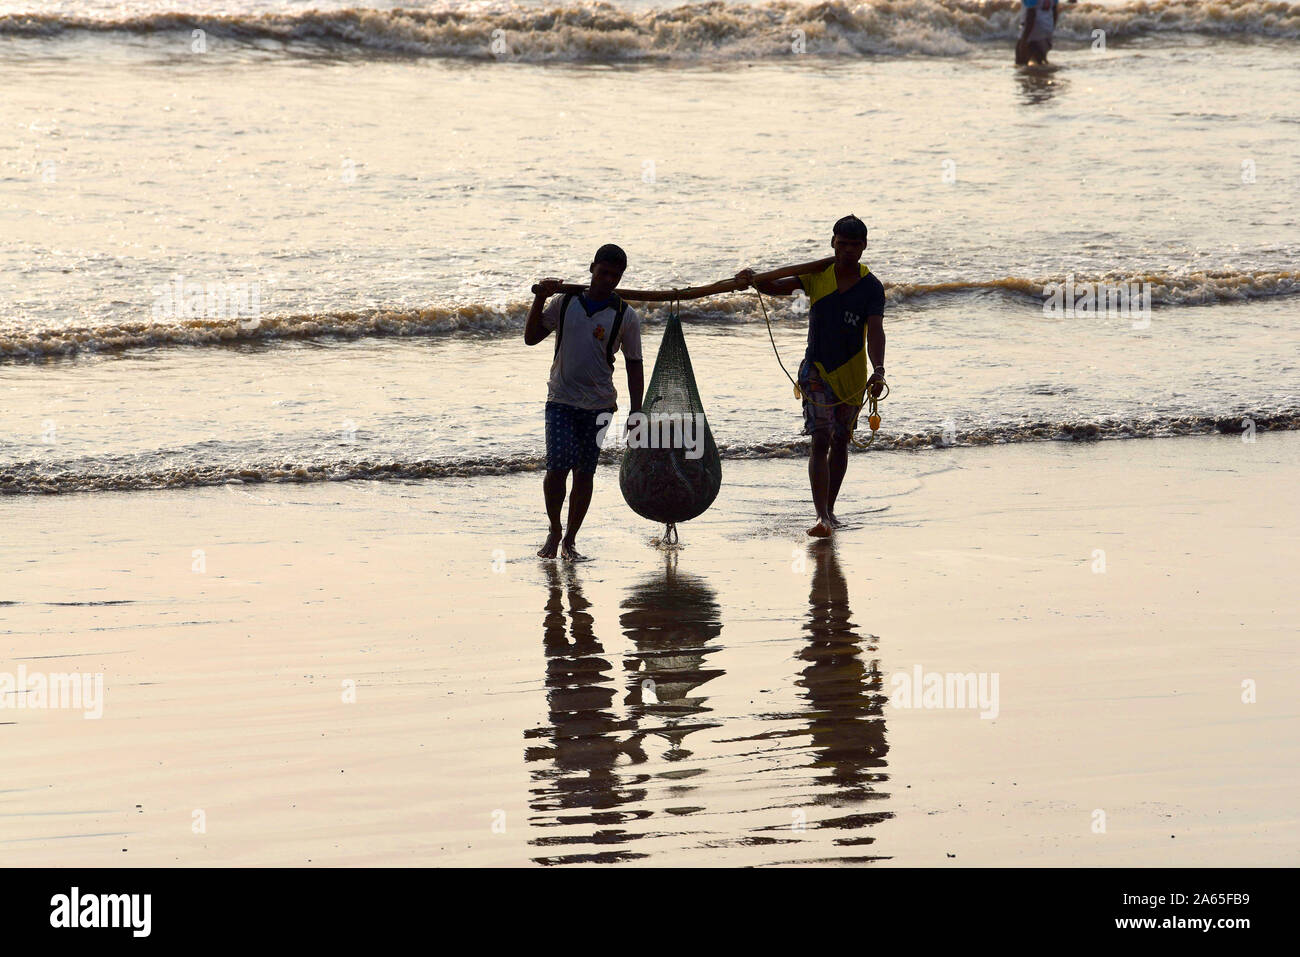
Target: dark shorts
[1035, 50]
[573, 437]
[825, 414]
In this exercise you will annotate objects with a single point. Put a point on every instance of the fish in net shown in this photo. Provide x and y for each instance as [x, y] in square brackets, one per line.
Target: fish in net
[670, 483]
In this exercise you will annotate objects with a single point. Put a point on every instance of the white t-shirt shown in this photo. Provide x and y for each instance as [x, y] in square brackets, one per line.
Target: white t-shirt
[1043, 22]
[580, 375]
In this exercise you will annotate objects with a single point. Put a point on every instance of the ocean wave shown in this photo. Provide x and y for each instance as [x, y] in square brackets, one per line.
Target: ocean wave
[601, 32]
[478, 319]
[36, 478]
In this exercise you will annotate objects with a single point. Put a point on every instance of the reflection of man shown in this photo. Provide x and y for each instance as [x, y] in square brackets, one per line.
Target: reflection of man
[844, 692]
[576, 782]
[586, 785]
[1041, 18]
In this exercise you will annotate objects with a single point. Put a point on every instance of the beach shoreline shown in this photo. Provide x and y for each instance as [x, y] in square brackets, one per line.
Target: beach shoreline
[381, 673]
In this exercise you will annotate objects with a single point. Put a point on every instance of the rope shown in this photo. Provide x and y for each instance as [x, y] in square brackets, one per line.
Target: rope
[670, 528]
[872, 402]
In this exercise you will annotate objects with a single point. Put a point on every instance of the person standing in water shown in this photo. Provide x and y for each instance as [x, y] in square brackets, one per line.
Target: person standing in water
[1040, 22]
[581, 400]
[846, 324]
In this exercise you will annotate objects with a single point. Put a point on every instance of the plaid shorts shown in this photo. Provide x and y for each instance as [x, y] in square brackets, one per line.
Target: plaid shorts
[822, 414]
[573, 437]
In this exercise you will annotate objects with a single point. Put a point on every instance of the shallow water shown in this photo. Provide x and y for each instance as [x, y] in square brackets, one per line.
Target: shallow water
[377, 179]
[409, 408]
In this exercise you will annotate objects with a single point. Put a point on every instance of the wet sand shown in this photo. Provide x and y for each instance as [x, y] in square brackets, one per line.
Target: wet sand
[726, 705]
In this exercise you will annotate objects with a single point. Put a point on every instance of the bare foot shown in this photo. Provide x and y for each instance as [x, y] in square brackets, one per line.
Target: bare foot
[835, 522]
[569, 553]
[552, 545]
[821, 530]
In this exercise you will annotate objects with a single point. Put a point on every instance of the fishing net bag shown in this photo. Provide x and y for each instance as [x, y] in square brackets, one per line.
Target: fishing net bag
[664, 484]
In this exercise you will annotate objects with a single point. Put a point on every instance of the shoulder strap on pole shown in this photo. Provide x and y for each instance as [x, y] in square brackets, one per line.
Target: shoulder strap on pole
[559, 323]
[613, 332]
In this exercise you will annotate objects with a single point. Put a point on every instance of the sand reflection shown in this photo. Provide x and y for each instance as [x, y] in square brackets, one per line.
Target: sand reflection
[588, 779]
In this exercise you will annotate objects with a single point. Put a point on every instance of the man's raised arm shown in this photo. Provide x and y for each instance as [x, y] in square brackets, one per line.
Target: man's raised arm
[534, 330]
[773, 287]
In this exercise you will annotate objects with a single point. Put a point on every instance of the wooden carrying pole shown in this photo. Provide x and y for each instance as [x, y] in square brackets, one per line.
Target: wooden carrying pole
[713, 289]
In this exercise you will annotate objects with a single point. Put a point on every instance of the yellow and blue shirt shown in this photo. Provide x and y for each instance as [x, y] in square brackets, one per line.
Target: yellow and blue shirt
[837, 330]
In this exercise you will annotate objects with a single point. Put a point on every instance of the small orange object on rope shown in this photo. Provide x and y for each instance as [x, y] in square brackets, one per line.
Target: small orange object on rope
[873, 413]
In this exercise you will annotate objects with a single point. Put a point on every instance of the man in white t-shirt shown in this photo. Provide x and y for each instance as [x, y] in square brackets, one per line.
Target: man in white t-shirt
[590, 327]
[1041, 19]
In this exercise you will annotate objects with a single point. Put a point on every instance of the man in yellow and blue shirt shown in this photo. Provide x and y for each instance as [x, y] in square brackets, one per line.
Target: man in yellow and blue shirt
[845, 329]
